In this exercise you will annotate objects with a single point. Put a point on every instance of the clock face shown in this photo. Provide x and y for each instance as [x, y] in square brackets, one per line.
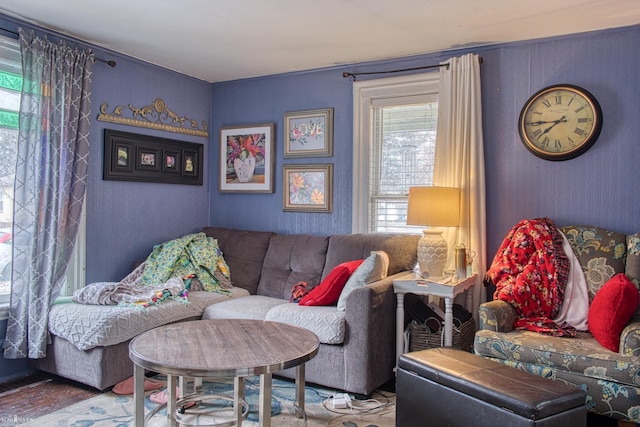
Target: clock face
[560, 122]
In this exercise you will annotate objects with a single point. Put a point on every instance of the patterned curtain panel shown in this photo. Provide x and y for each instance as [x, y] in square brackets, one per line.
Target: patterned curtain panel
[50, 183]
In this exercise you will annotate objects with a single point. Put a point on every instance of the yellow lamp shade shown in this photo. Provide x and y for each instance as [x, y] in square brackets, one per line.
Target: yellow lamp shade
[434, 206]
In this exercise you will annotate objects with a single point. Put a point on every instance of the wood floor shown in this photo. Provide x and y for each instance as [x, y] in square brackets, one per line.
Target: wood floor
[28, 398]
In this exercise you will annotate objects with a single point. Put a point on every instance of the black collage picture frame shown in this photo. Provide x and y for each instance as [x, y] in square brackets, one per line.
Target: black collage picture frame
[134, 157]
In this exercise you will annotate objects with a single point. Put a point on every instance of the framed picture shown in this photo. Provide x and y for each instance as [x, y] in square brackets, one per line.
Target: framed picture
[171, 161]
[134, 157]
[247, 159]
[148, 159]
[123, 157]
[191, 162]
[308, 133]
[308, 188]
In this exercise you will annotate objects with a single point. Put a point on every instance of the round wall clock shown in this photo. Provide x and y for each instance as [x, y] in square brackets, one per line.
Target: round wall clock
[560, 122]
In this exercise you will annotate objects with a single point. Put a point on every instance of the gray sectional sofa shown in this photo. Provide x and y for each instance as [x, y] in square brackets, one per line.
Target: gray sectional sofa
[90, 343]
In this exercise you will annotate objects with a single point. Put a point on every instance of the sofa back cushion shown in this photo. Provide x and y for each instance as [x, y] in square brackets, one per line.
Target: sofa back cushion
[602, 253]
[633, 257]
[244, 252]
[401, 249]
[290, 259]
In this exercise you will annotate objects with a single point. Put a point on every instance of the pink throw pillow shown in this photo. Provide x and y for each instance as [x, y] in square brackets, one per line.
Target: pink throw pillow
[328, 291]
[611, 310]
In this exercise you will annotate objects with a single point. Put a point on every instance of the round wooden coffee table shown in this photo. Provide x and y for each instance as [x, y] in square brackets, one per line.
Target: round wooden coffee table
[222, 348]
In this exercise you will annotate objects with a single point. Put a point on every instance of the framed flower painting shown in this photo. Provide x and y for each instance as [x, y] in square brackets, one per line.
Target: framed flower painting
[308, 133]
[308, 188]
[247, 159]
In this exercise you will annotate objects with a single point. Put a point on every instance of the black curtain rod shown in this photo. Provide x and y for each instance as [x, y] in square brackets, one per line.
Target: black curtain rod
[111, 63]
[425, 67]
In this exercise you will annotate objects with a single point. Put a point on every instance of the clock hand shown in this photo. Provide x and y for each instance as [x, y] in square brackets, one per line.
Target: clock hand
[540, 122]
[562, 119]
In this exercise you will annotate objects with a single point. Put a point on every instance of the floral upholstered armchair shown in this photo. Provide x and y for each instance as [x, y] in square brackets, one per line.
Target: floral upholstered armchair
[610, 378]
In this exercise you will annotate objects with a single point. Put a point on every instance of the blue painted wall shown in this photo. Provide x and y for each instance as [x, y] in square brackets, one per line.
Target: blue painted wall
[597, 188]
[265, 100]
[125, 219]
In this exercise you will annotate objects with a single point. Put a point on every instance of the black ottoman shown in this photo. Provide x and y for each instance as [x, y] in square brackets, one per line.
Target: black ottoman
[449, 387]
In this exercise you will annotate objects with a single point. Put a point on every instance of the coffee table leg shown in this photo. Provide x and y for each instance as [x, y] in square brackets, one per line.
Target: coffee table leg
[238, 398]
[171, 400]
[265, 401]
[138, 395]
[298, 405]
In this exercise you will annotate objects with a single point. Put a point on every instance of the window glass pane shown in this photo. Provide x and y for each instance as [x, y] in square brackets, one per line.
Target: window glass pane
[10, 87]
[404, 138]
[9, 100]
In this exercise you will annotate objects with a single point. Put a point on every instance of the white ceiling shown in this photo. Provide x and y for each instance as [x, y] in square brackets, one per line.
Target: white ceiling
[219, 40]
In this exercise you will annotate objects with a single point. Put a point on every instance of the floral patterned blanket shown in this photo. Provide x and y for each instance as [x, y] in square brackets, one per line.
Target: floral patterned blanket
[193, 254]
[530, 272]
[130, 292]
[169, 272]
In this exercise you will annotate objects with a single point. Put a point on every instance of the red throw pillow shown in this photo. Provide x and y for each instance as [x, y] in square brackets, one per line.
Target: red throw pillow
[611, 310]
[328, 291]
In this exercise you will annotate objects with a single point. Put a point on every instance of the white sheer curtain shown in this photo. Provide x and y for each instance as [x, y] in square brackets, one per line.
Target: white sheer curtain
[459, 159]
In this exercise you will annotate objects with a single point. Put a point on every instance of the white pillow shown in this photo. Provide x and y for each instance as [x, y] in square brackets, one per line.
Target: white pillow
[381, 268]
[372, 269]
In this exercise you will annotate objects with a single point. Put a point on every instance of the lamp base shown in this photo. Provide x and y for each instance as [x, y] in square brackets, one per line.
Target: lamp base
[432, 254]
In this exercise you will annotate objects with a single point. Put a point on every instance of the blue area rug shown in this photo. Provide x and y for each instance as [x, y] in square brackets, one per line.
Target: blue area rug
[112, 410]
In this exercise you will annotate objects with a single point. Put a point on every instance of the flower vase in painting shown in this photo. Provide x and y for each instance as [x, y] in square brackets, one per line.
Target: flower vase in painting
[244, 168]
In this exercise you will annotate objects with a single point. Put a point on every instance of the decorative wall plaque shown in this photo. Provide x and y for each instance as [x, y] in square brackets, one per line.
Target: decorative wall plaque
[154, 116]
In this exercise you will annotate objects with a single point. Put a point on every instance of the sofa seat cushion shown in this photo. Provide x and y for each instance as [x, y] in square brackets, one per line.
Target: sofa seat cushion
[327, 322]
[88, 326]
[253, 307]
[582, 355]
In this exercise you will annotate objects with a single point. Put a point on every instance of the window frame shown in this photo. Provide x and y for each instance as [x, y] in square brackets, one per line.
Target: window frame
[414, 87]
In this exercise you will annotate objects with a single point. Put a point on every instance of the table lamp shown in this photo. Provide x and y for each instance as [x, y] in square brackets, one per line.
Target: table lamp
[433, 207]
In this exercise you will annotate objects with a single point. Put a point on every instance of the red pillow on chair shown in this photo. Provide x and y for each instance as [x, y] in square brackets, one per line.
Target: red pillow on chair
[611, 310]
[328, 291]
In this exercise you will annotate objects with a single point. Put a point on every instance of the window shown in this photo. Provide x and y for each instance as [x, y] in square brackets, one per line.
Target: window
[10, 87]
[394, 148]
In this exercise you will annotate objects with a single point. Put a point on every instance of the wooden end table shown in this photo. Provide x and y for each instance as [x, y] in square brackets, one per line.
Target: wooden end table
[222, 348]
[415, 284]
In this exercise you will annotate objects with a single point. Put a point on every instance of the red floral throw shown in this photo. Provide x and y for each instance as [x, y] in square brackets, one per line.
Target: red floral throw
[530, 272]
[611, 310]
[328, 291]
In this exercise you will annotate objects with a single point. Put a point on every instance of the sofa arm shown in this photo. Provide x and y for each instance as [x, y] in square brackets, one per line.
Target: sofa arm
[497, 316]
[630, 339]
[369, 343]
